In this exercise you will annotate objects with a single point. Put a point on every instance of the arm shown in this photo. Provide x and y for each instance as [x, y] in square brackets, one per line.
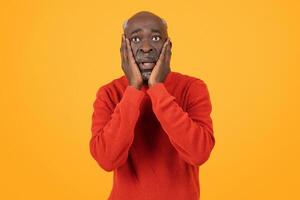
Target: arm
[113, 128]
[191, 132]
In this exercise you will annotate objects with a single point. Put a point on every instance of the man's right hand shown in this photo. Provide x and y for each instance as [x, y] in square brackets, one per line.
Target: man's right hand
[129, 65]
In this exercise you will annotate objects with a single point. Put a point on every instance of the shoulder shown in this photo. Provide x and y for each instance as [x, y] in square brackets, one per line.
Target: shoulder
[195, 88]
[187, 80]
[114, 86]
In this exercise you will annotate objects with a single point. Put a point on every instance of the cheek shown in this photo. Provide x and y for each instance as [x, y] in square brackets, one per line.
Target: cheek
[159, 47]
[134, 50]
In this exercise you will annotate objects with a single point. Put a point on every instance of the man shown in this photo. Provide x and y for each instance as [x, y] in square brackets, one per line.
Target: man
[152, 126]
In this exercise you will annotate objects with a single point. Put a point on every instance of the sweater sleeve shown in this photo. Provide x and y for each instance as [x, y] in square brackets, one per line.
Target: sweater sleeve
[190, 132]
[113, 127]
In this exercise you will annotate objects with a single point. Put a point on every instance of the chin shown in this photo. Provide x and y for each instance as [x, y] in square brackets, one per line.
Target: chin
[146, 76]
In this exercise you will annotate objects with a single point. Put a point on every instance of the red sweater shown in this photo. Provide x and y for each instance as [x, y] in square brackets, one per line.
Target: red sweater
[153, 139]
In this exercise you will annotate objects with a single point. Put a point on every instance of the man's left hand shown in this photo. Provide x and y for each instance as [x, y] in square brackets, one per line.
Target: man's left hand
[162, 67]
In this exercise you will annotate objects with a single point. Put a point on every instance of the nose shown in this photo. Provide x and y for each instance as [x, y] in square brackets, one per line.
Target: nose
[145, 47]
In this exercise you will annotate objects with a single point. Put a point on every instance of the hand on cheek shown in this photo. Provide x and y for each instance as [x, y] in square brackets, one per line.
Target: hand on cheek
[162, 67]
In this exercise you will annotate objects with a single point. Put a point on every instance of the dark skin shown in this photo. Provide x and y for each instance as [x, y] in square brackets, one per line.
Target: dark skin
[145, 50]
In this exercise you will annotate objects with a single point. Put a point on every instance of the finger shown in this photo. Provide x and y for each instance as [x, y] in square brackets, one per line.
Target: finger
[162, 54]
[168, 52]
[129, 52]
[122, 47]
[123, 52]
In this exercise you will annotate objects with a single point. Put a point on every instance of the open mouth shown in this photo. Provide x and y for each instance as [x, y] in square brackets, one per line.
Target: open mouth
[147, 65]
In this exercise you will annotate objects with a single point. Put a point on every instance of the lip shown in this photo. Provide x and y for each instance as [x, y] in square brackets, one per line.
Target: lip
[147, 65]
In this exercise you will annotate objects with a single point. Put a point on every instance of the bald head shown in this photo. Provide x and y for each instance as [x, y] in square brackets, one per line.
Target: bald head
[144, 14]
[145, 17]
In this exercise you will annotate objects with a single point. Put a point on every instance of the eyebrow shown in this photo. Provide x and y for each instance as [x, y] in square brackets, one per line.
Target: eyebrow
[139, 29]
[155, 30]
[135, 31]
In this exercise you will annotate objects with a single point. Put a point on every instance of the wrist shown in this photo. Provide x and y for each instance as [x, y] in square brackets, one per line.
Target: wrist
[137, 86]
[151, 84]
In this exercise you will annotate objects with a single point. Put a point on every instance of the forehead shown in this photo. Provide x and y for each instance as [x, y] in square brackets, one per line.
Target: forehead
[145, 24]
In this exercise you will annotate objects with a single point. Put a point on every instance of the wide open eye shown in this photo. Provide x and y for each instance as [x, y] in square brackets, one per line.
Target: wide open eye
[135, 39]
[156, 38]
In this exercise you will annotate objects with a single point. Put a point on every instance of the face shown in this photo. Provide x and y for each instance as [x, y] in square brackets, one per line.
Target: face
[147, 36]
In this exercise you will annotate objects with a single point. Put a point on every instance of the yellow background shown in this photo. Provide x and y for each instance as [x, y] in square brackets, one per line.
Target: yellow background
[56, 54]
